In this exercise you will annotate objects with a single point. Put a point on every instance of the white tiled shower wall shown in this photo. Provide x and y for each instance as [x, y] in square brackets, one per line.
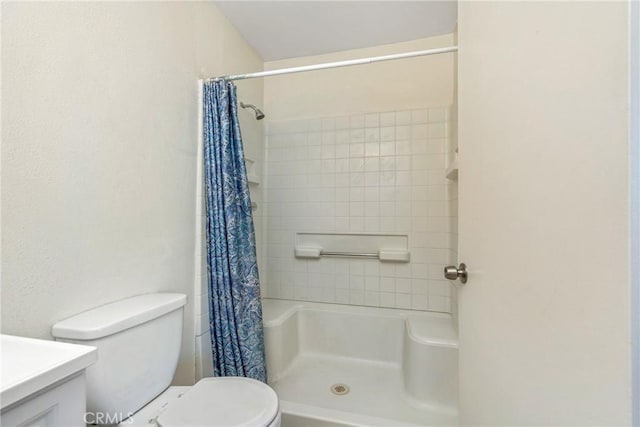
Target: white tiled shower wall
[377, 172]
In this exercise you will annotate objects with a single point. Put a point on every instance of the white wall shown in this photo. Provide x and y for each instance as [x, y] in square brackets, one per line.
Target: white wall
[99, 136]
[384, 86]
[543, 135]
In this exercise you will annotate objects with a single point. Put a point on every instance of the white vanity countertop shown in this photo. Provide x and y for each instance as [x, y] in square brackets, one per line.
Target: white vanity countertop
[29, 365]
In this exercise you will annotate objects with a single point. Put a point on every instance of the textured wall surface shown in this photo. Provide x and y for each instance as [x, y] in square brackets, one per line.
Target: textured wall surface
[99, 131]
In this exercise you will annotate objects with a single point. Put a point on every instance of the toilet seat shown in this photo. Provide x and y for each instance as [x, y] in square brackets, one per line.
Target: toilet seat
[223, 401]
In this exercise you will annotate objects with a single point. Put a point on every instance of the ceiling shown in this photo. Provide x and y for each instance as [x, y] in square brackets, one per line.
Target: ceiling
[287, 29]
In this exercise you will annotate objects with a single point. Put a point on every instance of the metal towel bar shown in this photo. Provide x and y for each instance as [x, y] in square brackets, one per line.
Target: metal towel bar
[350, 254]
[385, 255]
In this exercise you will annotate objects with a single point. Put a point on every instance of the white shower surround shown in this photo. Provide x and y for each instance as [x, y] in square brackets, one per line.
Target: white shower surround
[379, 172]
[430, 225]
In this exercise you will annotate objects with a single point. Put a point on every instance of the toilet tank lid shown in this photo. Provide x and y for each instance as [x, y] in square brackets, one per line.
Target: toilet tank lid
[117, 316]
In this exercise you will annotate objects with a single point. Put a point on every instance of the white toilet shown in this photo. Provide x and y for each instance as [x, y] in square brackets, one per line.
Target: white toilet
[138, 341]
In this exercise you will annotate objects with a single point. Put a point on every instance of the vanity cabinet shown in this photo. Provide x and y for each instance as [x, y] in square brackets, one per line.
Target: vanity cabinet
[43, 382]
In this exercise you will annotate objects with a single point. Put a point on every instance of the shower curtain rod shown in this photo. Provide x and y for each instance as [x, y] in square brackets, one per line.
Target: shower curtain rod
[337, 64]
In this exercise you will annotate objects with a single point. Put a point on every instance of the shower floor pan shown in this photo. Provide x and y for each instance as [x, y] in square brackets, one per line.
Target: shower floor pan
[335, 365]
[376, 395]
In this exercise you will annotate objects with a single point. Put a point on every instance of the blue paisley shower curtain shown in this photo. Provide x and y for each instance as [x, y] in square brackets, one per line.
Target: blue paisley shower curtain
[235, 311]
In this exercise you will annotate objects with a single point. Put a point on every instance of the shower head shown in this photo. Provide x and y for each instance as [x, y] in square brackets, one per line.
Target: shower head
[259, 113]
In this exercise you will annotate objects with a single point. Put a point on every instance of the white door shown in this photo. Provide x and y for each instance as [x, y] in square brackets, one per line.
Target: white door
[544, 316]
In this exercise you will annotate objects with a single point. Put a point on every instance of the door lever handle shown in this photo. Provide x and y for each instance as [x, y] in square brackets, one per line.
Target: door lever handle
[452, 272]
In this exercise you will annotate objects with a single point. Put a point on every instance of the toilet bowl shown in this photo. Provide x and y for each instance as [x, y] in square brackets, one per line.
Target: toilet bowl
[138, 341]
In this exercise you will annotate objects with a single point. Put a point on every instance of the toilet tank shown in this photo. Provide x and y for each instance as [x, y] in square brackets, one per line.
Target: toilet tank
[138, 341]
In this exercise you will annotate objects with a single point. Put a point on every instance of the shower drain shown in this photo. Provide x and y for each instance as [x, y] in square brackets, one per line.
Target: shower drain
[339, 389]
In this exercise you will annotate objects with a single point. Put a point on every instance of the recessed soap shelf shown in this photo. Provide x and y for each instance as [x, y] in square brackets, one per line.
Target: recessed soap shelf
[452, 171]
[252, 176]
